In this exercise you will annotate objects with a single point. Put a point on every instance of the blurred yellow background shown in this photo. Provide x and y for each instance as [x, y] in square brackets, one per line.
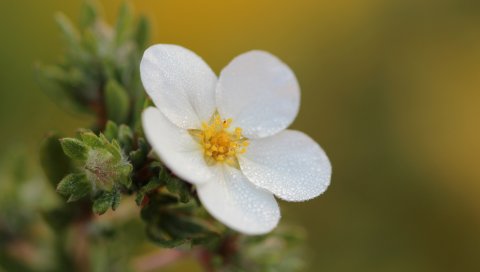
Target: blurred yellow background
[390, 89]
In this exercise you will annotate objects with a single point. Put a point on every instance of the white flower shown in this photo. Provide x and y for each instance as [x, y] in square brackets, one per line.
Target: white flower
[228, 136]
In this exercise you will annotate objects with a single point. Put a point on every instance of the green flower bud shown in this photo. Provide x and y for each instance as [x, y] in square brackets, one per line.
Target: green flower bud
[102, 162]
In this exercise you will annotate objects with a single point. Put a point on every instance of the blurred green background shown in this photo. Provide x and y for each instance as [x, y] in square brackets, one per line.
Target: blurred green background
[390, 89]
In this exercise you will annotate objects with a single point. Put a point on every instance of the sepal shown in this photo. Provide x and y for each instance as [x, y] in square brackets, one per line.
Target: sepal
[106, 200]
[75, 149]
[74, 186]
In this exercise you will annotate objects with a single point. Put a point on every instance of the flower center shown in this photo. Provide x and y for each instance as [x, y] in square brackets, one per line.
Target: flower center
[219, 142]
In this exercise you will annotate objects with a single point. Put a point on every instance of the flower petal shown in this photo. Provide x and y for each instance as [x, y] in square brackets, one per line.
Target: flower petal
[289, 164]
[180, 84]
[176, 147]
[239, 204]
[259, 92]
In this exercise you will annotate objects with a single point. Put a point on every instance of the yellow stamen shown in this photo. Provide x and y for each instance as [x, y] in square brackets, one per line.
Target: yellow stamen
[219, 143]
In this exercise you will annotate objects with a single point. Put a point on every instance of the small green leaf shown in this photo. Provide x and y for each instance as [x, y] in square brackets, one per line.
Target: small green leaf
[180, 187]
[138, 107]
[172, 184]
[206, 238]
[69, 32]
[143, 145]
[162, 239]
[114, 149]
[51, 80]
[139, 198]
[88, 14]
[125, 181]
[89, 42]
[106, 200]
[124, 19]
[125, 137]
[102, 203]
[152, 184]
[137, 157]
[179, 226]
[151, 210]
[125, 169]
[91, 140]
[116, 199]
[111, 131]
[142, 34]
[74, 148]
[116, 101]
[74, 186]
[55, 163]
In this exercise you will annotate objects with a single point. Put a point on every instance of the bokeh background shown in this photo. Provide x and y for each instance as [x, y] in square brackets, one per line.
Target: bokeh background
[390, 89]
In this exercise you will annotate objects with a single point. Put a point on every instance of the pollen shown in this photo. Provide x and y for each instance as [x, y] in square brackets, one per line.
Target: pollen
[219, 142]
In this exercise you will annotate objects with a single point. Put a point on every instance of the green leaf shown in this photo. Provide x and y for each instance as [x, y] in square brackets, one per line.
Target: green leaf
[125, 137]
[124, 20]
[111, 130]
[55, 163]
[116, 102]
[152, 184]
[138, 107]
[105, 201]
[74, 148]
[187, 225]
[142, 34]
[88, 14]
[51, 81]
[114, 149]
[125, 169]
[102, 203]
[116, 199]
[139, 198]
[143, 145]
[74, 186]
[92, 140]
[206, 238]
[137, 157]
[180, 187]
[183, 226]
[162, 239]
[170, 228]
[90, 43]
[70, 34]
[151, 211]
[125, 181]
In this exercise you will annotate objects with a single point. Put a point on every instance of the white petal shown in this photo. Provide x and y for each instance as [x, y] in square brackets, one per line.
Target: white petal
[180, 84]
[176, 147]
[289, 164]
[259, 92]
[239, 204]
